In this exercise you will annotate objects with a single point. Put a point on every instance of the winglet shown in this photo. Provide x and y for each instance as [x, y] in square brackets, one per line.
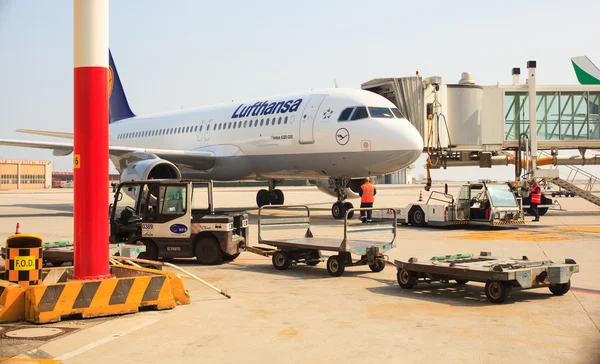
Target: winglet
[587, 73]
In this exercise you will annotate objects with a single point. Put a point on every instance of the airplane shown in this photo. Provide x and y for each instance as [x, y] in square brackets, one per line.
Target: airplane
[586, 71]
[332, 137]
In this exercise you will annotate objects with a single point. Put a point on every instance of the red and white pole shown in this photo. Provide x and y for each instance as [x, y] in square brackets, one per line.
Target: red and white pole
[90, 160]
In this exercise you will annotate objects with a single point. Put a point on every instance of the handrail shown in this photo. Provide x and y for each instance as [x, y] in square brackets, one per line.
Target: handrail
[450, 197]
[282, 207]
[387, 209]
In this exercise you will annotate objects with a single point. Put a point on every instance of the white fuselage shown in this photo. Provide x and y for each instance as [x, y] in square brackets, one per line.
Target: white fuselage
[289, 136]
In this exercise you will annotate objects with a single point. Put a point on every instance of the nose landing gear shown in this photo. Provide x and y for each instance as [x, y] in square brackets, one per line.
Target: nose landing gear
[338, 210]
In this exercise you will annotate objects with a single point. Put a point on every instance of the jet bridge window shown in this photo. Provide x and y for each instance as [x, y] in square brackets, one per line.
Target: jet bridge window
[360, 113]
[344, 115]
[380, 112]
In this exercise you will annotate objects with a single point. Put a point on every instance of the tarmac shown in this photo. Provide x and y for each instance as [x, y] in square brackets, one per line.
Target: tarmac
[303, 315]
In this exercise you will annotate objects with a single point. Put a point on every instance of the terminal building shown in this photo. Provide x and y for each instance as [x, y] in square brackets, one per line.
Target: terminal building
[18, 174]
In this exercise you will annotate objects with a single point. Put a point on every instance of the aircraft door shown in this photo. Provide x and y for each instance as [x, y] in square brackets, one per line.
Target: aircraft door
[307, 120]
[201, 130]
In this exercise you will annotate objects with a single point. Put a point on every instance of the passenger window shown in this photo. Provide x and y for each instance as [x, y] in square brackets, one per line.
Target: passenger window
[360, 113]
[207, 127]
[261, 121]
[267, 123]
[279, 122]
[285, 120]
[196, 128]
[234, 125]
[397, 113]
[240, 124]
[344, 115]
[245, 122]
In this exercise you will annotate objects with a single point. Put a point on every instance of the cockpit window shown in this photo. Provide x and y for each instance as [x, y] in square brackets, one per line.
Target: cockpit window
[345, 114]
[397, 113]
[360, 113]
[380, 112]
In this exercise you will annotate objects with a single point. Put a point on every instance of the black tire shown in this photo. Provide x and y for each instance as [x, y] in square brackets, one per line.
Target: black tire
[542, 211]
[348, 206]
[281, 260]
[263, 198]
[560, 289]
[406, 279]
[572, 194]
[417, 217]
[277, 197]
[230, 257]
[335, 266]
[151, 252]
[497, 291]
[378, 266]
[461, 281]
[553, 194]
[338, 211]
[208, 251]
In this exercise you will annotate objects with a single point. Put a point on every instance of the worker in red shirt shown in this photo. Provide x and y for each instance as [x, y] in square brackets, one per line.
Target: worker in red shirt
[536, 199]
[367, 198]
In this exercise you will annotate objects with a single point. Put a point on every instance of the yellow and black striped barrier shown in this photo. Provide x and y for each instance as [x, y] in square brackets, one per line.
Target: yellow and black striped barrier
[12, 302]
[48, 303]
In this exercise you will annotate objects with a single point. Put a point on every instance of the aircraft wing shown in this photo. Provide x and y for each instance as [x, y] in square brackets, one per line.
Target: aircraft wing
[196, 159]
[56, 134]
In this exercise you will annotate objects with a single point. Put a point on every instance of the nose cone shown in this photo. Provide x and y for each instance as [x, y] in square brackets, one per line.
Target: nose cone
[413, 141]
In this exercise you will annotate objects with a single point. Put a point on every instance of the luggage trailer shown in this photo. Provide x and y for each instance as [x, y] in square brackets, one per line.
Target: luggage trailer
[500, 275]
[307, 249]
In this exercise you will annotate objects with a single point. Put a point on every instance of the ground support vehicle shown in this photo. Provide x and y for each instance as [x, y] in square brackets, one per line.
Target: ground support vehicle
[307, 249]
[500, 275]
[176, 219]
[483, 203]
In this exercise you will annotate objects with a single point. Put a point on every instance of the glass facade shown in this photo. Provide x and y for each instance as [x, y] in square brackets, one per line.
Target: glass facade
[560, 115]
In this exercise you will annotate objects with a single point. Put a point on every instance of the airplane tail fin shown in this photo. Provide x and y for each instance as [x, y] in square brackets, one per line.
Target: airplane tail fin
[118, 105]
[586, 71]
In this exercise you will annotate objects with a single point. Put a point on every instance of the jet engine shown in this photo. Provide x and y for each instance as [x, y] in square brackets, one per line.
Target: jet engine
[150, 169]
[328, 187]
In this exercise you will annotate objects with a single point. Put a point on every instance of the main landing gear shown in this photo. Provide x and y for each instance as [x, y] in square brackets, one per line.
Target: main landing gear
[272, 196]
[338, 210]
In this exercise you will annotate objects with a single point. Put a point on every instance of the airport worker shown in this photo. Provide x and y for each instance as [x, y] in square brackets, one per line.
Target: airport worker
[536, 199]
[367, 197]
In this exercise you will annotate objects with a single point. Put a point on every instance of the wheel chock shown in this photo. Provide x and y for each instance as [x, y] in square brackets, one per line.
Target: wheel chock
[12, 302]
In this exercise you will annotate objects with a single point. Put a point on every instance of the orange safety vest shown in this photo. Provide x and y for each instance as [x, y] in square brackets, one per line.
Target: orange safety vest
[536, 197]
[368, 194]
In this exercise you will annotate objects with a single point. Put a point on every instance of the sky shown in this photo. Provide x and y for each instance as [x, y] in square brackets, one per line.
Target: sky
[181, 54]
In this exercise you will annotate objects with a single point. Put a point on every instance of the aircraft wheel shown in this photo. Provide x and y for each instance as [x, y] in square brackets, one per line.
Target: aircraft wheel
[348, 206]
[263, 198]
[338, 210]
[277, 197]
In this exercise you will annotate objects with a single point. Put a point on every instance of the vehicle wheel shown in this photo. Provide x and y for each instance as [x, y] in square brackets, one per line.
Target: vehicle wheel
[496, 291]
[560, 289]
[338, 211]
[230, 257]
[348, 206]
[263, 198]
[281, 260]
[542, 211]
[151, 252]
[461, 281]
[378, 266]
[277, 197]
[572, 194]
[208, 251]
[417, 217]
[406, 279]
[335, 266]
[553, 194]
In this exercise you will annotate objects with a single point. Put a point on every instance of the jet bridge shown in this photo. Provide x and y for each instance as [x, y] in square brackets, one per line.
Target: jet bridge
[477, 125]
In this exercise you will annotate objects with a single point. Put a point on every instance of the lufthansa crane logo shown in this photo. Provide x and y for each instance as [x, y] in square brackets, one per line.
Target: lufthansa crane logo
[342, 136]
[111, 78]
